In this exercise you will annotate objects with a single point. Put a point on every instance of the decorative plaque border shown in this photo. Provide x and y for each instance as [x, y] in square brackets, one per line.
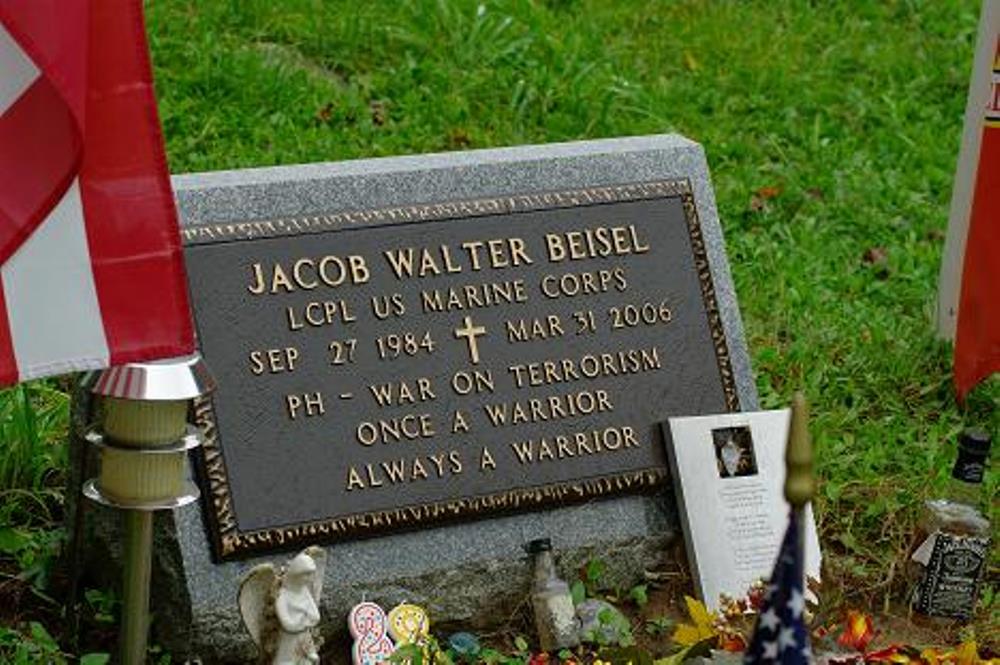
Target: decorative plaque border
[229, 542]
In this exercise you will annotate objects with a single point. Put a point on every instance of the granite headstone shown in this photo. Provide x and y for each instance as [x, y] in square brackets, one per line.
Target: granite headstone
[256, 239]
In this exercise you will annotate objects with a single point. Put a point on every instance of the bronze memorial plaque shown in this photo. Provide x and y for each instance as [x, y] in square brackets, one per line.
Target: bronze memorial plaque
[388, 369]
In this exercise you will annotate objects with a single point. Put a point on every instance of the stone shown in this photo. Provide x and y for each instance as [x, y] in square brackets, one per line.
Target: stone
[602, 623]
[465, 645]
[472, 575]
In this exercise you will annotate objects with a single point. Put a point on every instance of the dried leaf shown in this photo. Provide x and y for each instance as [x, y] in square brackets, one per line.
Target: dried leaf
[769, 191]
[875, 256]
[703, 624]
[378, 112]
[858, 631]
[325, 113]
[459, 138]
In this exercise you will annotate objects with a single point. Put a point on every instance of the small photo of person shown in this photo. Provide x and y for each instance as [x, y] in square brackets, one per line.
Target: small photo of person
[734, 454]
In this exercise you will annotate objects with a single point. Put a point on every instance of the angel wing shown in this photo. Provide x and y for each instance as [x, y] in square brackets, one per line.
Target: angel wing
[318, 555]
[256, 597]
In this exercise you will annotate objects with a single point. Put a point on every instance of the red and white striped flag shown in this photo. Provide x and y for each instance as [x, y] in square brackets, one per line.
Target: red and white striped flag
[969, 292]
[90, 254]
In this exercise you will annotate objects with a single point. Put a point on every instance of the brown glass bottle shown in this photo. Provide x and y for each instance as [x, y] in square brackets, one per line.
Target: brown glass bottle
[953, 542]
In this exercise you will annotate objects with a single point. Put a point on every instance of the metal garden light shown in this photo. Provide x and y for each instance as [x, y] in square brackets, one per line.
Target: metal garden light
[143, 441]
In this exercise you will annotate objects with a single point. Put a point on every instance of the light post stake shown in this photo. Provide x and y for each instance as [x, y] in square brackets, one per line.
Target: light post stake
[143, 441]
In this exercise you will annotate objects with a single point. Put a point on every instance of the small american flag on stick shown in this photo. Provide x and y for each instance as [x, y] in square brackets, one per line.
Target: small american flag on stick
[780, 635]
[90, 255]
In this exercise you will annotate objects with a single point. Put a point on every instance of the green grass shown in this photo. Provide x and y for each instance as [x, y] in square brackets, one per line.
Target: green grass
[832, 131]
[851, 113]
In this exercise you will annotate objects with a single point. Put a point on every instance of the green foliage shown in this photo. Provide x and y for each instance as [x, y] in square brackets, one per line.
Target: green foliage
[624, 655]
[34, 554]
[831, 131]
[658, 626]
[427, 653]
[104, 605]
[33, 421]
[494, 657]
[36, 645]
[619, 626]
[639, 594]
[832, 137]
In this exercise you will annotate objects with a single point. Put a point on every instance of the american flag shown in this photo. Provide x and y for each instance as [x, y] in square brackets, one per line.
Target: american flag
[91, 270]
[780, 635]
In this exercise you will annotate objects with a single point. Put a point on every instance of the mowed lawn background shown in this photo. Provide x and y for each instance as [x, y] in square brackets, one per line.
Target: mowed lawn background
[832, 133]
[831, 129]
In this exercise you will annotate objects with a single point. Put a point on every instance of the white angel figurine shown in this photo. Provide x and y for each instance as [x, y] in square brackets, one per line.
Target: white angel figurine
[281, 608]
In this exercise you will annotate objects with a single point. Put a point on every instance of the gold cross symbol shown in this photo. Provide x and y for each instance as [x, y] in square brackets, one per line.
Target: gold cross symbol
[470, 333]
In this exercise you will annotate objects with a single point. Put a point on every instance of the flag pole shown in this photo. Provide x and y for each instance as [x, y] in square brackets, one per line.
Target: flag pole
[799, 482]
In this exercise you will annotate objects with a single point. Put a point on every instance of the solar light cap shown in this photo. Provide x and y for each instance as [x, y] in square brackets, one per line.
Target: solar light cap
[171, 379]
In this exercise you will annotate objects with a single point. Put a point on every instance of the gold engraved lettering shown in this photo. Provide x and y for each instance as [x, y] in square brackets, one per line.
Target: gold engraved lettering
[524, 330]
[588, 442]
[385, 306]
[273, 361]
[418, 470]
[538, 409]
[300, 279]
[455, 461]
[589, 366]
[459, 423]
[598, 242]
[319, 313]
[372, 481]
[280, 279]
[583, 284]
[402, 470]
[307, 274]
[402, 392]
[307, 404]
[409, 427]
[469, 296]
[486, 460]
[476, 381]
[354, 481]
[410, 262]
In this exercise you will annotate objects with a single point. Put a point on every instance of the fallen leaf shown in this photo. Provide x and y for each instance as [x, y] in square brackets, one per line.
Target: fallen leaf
[701, 628]
[378, 112]
[459, 138]
[759, 199]
[875, 256]
[815, 193]
[858, 631]
[769, 191]
[732, 642]
[325, 113]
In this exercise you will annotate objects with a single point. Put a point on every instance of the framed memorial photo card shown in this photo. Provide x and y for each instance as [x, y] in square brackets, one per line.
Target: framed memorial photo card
[729, 473]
